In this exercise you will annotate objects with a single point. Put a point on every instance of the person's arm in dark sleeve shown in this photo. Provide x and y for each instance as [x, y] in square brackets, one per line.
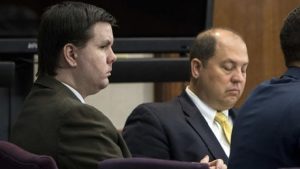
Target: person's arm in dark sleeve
[144, 134]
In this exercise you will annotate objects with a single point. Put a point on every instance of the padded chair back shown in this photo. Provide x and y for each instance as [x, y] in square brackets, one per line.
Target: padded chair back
[7, 73]
[14, 157]
[148, 163]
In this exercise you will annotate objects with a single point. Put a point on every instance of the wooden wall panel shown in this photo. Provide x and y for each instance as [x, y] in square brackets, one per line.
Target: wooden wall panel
[167, 91]
[259, 23]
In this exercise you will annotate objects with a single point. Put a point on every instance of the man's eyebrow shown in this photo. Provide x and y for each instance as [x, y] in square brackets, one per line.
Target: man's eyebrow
[228, 61]
[106, 41]
[233, 61]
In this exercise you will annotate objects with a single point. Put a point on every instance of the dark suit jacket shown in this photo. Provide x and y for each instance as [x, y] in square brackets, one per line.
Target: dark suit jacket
[54, 122]
[173, 130]
[266, 133]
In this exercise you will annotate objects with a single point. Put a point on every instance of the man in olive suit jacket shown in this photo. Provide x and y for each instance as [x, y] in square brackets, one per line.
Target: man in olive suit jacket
[75, 61]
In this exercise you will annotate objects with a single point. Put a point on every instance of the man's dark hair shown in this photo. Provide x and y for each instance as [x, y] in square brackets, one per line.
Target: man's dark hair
[66, 22]
[203, 47]
[290, 37]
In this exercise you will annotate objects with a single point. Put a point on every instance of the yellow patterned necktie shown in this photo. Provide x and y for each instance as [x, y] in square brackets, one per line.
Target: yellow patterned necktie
[226, 126]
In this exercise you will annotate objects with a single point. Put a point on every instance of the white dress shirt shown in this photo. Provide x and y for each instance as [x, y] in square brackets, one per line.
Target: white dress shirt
[77, 94]
[209, 114]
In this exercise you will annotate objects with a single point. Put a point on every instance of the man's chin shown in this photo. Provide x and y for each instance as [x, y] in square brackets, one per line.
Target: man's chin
[103, 84]
[231, 101]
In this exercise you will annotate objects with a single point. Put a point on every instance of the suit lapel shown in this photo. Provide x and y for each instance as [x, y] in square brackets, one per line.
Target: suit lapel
[52, 83]
[200, 126]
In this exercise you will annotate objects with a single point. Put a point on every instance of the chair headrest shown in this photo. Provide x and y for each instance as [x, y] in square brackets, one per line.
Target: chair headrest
[148, 163]
[7, 73]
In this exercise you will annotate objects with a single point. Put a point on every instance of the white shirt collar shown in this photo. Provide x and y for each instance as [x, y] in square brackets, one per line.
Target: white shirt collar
[77, 94]
[207, 112]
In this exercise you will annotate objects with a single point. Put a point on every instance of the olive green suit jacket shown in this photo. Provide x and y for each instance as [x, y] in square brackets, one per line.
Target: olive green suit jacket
[54, 122]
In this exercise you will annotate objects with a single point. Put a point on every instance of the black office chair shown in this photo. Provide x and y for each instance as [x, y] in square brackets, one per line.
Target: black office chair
[14, 157]
[7, 75]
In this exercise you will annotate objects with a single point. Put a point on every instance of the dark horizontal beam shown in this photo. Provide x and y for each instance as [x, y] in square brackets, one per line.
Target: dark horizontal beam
[151, 70]
[16, 45]
[127, 70]
[121, 45]
[152, 45]
[124, 70]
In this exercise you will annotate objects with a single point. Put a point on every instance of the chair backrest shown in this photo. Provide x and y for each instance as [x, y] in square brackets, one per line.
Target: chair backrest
[148, 163]
[14, 157]
[7, 76]
[7, 73]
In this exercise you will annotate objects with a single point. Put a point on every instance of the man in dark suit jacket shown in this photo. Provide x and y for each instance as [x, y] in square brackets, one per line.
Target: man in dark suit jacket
[184, 128]
[266, 134]
[75, 60]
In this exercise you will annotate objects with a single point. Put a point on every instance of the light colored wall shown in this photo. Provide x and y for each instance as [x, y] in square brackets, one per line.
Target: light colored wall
[118, 100]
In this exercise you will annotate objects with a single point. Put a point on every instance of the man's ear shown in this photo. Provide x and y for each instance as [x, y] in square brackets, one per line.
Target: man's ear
[196, 67]
[70, 55]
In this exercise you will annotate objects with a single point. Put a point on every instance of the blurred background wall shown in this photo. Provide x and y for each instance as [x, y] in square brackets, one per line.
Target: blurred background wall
[259, 23]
